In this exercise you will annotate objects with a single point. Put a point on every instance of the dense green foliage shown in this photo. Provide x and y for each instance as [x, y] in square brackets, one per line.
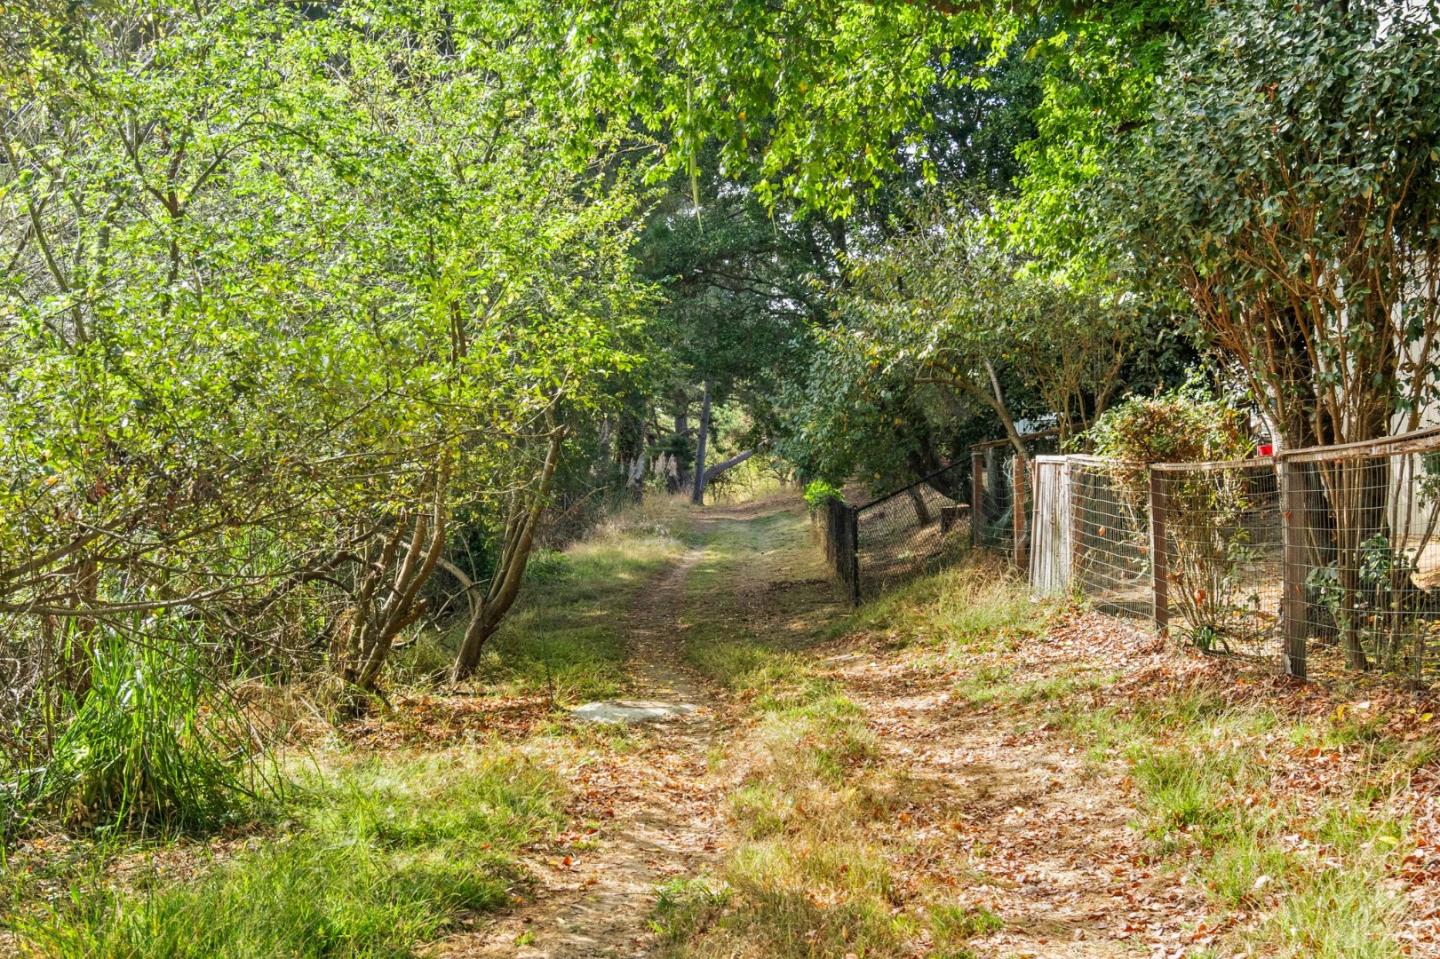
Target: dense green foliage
[1290, 186]
[298, 311]
[318, 319]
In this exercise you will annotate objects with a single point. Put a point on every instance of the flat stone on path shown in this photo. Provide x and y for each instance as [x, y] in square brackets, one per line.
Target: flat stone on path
[631, 711]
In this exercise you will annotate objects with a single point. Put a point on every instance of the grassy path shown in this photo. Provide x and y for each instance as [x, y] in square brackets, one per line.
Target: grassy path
[654, 801]
[951, 772]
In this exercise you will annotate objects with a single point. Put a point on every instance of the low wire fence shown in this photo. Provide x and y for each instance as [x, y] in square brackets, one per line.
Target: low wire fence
[888, 540]
[1000, 505]
[1320, 560]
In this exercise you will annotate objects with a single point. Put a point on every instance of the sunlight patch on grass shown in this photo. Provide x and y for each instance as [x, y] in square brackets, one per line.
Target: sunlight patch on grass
[381, 856]
[976, 605]
[566, 637]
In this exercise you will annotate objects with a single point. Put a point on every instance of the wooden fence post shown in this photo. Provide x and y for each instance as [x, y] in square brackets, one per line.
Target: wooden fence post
[977, 496]
[1019, 553]
[1292, 536]
[854, 555]
[1159, 552]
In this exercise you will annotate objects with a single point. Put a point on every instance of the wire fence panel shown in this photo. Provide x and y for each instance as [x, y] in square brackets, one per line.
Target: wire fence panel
[1001, 506]
[911, 531]
[1365, 567]
[840, 546]
[1221, 552]
[1324, 558]
[993, 496]
[1110, 535]
[1321, 559]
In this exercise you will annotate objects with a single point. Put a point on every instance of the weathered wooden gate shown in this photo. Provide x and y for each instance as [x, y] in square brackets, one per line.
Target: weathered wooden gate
[1050, 541]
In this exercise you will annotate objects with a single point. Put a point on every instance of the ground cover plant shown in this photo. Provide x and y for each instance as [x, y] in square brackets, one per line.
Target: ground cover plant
[382, 382]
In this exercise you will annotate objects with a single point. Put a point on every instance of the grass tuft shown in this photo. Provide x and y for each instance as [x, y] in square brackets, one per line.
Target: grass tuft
[383, 856]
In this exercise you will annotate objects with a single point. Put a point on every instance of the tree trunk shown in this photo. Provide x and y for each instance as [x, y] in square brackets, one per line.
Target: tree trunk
[487, 612]
[713, 471]
[697, 494]
[922, 509]
[362, 647]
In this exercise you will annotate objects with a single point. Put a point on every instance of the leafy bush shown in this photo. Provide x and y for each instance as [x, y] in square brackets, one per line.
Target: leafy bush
[818, 493]
[1209, 538]
[1185, 425]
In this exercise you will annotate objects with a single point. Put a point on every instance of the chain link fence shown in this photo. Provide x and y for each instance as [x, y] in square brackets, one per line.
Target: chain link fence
[839, 536]
[883, 543]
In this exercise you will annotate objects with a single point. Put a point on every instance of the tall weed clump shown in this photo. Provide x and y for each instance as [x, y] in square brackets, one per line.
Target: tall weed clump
[149, 742]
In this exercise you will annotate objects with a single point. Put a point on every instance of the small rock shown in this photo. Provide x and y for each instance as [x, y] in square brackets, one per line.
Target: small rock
[631, 711]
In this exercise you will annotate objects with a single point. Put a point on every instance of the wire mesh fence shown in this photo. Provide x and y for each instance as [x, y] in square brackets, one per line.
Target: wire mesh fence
[1110, 535]
[1321, 559]
[1220, 540]
[993, 498]
[1364, 565]
[839, 536]
[911, 531]
[1000, 504]
[880, 544]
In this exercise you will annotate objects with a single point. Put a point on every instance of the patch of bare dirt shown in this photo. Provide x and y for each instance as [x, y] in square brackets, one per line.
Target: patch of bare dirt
[653, 814]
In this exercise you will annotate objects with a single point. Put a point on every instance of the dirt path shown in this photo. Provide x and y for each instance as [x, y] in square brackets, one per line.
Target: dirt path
[976, 801]
[1029, 832]
[658, 806]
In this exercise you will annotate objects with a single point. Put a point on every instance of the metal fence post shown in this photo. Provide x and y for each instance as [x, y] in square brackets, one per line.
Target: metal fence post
[977, 496]
[1159, 552]
[1076, 520]
[1020, 553]
[1292, 533]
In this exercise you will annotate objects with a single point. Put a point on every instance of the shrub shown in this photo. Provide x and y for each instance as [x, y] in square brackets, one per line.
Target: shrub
[1185, 425]
[818, 493]
[1209, 538]
[151, 742]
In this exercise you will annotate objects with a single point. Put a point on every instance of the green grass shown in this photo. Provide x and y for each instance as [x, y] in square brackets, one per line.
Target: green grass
[566, 636]
[1202, 770]
[952, 926]
[812, 877]
[976, 605]
[152, 746]
[381, 856]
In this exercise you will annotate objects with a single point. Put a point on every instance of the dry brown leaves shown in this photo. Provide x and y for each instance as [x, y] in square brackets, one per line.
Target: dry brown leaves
[428, 720]
[1000, 808]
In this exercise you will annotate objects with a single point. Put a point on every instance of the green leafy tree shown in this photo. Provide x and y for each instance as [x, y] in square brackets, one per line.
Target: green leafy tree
[285, 294]
[1289, 186]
